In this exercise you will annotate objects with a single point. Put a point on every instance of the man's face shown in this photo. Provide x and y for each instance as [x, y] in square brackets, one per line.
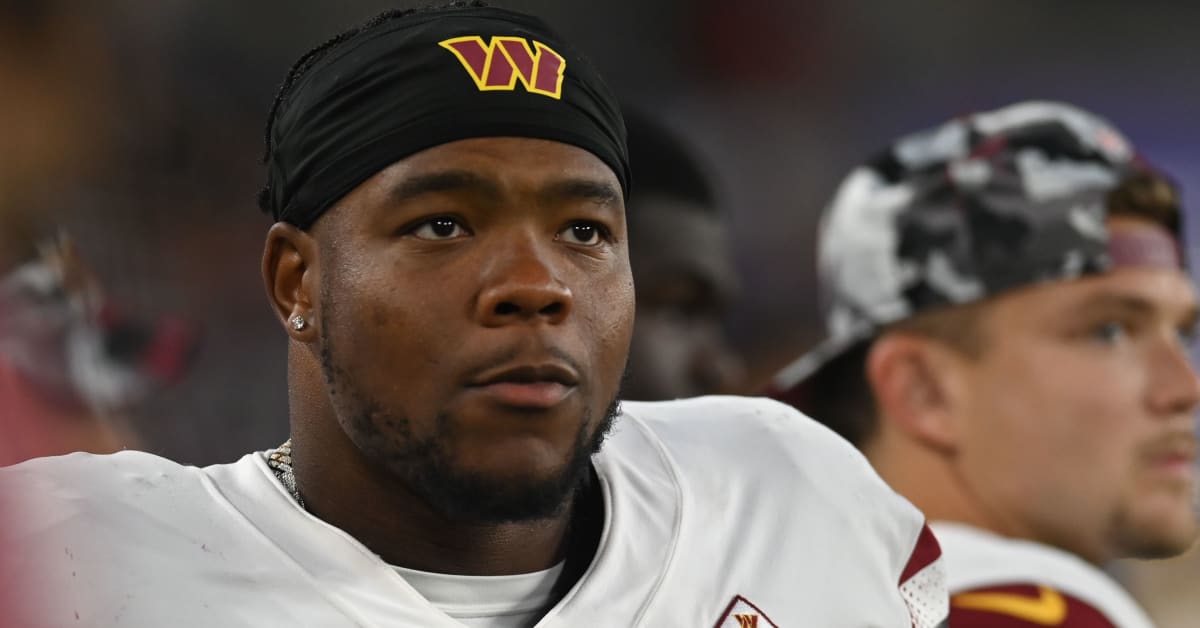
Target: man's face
[1081, 430]
[476, 310]
[685, 279]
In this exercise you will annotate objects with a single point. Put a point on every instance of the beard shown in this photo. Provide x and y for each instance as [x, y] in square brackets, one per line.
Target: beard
[426, 467]
[1145, 535]
[1150, 540]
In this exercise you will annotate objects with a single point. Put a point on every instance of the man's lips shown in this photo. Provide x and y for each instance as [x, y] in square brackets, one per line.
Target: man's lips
[527, 385]
[1177, 456]
[1182, 463]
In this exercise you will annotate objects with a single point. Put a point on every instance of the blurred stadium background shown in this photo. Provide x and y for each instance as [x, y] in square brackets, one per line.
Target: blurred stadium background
[137, 124]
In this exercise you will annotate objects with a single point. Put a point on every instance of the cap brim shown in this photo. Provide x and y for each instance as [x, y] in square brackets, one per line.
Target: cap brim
[790, 383]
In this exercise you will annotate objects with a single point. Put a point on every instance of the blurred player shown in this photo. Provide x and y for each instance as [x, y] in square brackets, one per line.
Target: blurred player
[72, 365]
[450, 268]
[682, 270]
[1008, 310]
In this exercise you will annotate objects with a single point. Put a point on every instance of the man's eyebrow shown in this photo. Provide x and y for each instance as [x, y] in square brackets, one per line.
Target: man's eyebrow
[576, 188]
[1136, 306]
[1119, 302]
[443, 181]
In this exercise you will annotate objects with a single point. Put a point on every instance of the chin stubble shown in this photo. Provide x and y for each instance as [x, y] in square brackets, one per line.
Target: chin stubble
[426, 469]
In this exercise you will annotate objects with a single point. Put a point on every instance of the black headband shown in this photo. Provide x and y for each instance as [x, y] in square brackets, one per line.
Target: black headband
[426, 79]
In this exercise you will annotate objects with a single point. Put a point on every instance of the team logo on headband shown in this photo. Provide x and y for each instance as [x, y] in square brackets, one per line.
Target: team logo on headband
[505, 61]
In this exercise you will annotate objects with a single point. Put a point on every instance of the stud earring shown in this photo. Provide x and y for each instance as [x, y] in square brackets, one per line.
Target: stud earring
[298, 322]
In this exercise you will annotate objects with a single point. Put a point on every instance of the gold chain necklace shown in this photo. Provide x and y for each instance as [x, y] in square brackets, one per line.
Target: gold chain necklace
[280, 461]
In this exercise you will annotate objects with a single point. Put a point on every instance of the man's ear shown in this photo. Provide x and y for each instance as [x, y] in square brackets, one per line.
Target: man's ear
[290, 275]
[916, 383]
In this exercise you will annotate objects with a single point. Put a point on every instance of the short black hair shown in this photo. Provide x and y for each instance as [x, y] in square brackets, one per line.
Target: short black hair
[308, 59]
[663, 163]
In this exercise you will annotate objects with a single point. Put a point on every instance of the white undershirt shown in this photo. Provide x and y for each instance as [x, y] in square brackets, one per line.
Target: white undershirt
[517, 601]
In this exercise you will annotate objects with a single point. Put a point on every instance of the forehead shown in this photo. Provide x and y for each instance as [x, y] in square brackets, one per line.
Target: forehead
[1156, 291]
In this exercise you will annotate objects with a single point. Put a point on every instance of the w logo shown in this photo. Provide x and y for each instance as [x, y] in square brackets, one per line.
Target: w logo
[746, 621]
[741, 613]
[504, 61]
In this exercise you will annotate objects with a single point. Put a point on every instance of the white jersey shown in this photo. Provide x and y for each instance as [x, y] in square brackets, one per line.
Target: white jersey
[998, 581]
[719, 511]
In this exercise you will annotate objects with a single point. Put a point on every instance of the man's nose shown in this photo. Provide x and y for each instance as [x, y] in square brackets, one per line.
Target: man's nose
[521, 283]
[1175, 383]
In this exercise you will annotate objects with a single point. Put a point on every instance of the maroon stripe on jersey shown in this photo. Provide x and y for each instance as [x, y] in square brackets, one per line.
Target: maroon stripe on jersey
[923, 555]
[1023, 606]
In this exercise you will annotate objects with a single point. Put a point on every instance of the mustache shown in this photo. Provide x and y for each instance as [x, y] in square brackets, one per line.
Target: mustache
[1177, 442]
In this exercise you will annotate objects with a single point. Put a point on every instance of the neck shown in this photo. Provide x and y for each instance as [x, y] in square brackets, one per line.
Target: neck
[928, 478]
[371, 504]
[386, 517]
[933, 482]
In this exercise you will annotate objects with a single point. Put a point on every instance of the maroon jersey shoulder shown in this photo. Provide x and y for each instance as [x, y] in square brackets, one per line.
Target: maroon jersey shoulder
[926, 551]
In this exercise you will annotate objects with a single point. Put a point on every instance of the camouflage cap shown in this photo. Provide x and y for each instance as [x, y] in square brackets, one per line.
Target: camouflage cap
[979, 205]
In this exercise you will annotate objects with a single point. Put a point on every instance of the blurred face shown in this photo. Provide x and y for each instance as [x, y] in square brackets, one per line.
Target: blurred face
[685, 279]
[476, 309]
[1081, 430]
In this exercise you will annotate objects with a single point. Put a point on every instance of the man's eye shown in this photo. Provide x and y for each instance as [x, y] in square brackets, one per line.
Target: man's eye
[1189, 334]
[440, 228]
[585, 233]
[1110, 332]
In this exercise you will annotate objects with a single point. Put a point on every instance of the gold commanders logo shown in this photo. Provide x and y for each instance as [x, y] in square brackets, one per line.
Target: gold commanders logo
[741, 613]
[503, 62]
